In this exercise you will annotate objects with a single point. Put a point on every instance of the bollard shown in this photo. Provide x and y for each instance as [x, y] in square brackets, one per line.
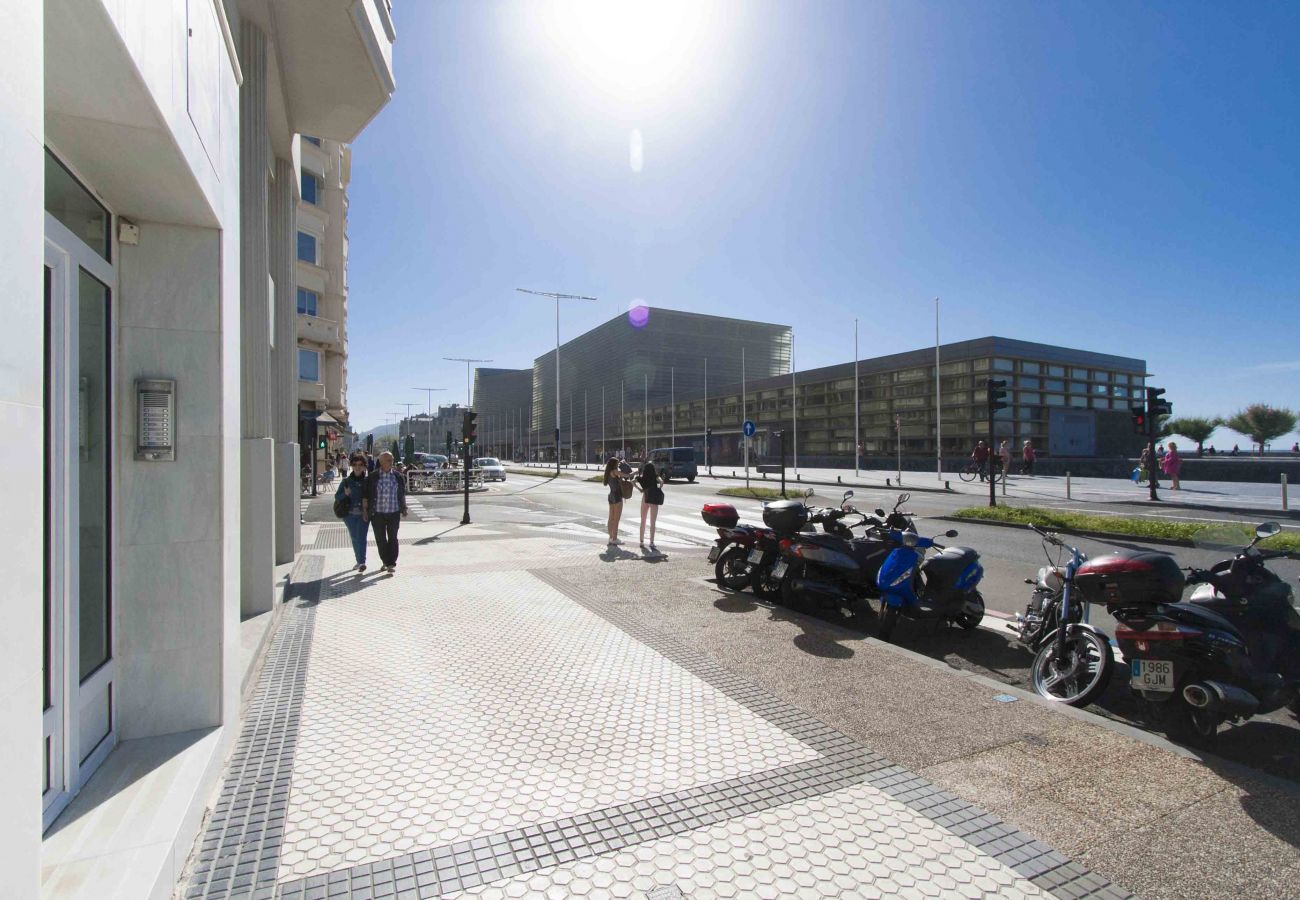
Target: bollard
[798, 477]
[1067, 487]
[839, 480]
[1285, 506]
[886, 482]
[947, 485]
[1004, 484]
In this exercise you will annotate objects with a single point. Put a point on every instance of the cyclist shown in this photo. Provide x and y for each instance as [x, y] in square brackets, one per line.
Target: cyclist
[981, 457]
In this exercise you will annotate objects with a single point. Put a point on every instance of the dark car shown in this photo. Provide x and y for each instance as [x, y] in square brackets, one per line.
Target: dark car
[675, 462]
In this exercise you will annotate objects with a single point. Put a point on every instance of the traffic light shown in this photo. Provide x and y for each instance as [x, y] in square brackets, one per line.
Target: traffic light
[370, 443]
[448, 442]
[1139, 416]
[468, 429]
[997, 396]
[1157, 408]
[321, 443]
[708, 434]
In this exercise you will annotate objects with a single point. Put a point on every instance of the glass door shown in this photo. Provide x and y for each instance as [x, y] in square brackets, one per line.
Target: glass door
[79, 729]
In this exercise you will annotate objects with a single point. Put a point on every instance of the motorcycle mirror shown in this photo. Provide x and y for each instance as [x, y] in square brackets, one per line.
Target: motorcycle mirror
[880, 512]
[950, 533]
[1267, 530]
[847, 495]
[909, 539]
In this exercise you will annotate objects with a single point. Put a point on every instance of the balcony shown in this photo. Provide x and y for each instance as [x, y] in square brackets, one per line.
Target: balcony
[312, 392]
[337, 64]
[318, 330]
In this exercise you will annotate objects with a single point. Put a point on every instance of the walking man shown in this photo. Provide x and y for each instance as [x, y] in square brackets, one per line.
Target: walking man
[384, 507]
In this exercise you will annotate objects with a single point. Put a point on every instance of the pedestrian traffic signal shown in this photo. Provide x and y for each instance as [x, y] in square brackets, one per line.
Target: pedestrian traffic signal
[468, 428]
[1139, 416]
[1157, 408]
[370, 442]
[320, 442]
[449, 442]
[997, 396]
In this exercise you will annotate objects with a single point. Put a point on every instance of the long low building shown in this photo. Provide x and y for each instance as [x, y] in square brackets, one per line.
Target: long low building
[1068, 402]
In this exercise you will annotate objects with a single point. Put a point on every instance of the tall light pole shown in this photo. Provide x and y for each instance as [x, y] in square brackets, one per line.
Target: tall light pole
[938, 400]
[857, 404]
[645, 415]
[557, 297]
[794, 404]
[672, 403]
[469, 384]
[429, 422]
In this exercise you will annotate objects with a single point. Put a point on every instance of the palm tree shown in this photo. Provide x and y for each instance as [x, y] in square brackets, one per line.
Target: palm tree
[1198, 429]
[1261, 423]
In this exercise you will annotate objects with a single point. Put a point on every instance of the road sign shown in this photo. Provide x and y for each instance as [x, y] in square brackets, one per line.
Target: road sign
[748, 428]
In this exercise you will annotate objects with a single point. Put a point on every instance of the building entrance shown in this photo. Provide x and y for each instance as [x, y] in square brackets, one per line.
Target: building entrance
[79, 667]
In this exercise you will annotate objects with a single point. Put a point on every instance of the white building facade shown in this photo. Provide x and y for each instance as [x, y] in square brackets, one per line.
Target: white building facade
[148, 279]
[322, 295]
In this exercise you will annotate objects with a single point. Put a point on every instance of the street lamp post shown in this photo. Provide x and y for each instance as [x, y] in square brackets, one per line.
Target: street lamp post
[557, 297]
[429, 422]
[857, 405]
[938, 398]
[469, 384]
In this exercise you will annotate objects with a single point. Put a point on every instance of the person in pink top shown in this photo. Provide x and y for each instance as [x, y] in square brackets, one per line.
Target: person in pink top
[1029, 456]
[1171, 465]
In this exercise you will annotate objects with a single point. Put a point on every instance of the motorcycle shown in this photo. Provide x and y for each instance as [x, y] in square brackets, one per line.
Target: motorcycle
[942, 588]
[1231, 651]
[739, 548]
[1073, 660]
[836, 569]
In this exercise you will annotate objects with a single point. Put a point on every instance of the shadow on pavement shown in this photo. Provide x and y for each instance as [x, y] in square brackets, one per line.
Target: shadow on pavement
[614, 553]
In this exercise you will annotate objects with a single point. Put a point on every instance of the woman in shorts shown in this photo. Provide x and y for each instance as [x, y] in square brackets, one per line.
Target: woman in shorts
[652, 497]
[614, 485]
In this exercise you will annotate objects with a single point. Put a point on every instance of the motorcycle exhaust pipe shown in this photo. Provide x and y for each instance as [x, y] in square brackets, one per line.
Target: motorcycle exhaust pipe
[1225, 697]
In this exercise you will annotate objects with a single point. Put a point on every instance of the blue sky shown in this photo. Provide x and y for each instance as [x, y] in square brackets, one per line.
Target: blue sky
[1112, 176]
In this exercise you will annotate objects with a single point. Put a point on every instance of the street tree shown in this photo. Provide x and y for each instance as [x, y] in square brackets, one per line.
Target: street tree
[1261, 423]
[408, 450]
[393, 449]
[1198, 429]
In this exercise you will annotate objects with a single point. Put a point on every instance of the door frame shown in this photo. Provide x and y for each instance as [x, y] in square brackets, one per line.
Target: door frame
[66, 254]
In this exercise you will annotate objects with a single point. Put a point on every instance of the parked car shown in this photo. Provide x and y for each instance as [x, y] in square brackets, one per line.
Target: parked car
[491, 468]
[434, 461]
[675, 462]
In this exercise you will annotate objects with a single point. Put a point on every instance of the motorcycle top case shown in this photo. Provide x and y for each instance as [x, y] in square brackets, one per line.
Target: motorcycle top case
[1130, 578]
[720, 515]
[785, 516]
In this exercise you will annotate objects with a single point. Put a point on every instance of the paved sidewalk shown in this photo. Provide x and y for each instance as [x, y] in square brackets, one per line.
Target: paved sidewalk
[523, 711]
[468, 727]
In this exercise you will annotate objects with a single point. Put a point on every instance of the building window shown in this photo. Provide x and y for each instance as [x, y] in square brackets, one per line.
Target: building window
[1029, 382]
[1058, 371]
[1055, 400]
[1078, 387]
[74, 206]
[307, 247]
[1030, 368]
[1003, 365]
[1053, 384]
[310, 187]
[308, 365]
[307, 301]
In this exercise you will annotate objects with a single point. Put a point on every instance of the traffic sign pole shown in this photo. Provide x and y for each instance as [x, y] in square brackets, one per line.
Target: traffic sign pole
[748, 429]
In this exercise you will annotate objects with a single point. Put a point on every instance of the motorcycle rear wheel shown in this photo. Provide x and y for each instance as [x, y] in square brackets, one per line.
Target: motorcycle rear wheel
[1078, 683]
[762, 583]
[1184, 723]
[968, 620]
[732, 569]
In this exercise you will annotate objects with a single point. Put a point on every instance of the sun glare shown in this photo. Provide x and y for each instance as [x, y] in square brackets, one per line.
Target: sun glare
[637, 50]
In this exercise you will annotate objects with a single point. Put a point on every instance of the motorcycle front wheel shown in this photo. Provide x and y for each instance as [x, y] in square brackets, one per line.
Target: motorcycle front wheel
[732, 569]
[763, 584]
[888, 619]
[1079, 678]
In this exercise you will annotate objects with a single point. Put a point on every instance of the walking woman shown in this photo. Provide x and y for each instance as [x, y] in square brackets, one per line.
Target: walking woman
[652, 497]
[614, 484]
[353, 489]
[1172, 465]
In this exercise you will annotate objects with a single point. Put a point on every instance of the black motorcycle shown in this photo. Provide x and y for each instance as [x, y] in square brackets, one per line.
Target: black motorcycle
[1073, 660]
[1231, 651]
[838, 570]
[741, 549]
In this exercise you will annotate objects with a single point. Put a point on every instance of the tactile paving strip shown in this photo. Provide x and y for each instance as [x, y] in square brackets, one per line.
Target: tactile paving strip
[238, 852]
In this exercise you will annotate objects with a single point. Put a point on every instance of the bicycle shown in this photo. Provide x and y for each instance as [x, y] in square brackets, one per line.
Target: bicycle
[971, 471]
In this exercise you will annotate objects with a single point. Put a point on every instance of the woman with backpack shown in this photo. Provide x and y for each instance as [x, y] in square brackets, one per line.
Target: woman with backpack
[652, 497]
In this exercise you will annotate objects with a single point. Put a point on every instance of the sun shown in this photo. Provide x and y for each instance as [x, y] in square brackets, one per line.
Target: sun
[637, 50]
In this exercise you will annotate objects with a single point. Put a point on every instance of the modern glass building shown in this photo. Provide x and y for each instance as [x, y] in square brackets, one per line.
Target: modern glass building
[648, 357]
[503, 398]
[1068, 402]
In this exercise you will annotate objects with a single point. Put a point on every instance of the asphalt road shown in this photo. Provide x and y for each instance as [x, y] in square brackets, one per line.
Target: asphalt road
[1270, 743]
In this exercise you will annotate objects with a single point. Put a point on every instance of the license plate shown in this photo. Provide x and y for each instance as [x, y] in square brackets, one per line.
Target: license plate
[1153, 675]
[713, 554]
[756, 556]
[778, 570]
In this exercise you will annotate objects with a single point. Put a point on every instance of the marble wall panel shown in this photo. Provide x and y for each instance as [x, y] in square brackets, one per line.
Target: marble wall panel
[170, 279]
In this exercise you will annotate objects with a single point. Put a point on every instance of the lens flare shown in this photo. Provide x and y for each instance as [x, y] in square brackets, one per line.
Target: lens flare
[638, 314]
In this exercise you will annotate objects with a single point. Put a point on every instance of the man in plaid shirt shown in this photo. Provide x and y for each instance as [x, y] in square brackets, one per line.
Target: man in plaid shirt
[384, 506]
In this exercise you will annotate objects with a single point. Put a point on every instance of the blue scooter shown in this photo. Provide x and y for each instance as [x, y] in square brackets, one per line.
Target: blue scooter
[942, 588]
